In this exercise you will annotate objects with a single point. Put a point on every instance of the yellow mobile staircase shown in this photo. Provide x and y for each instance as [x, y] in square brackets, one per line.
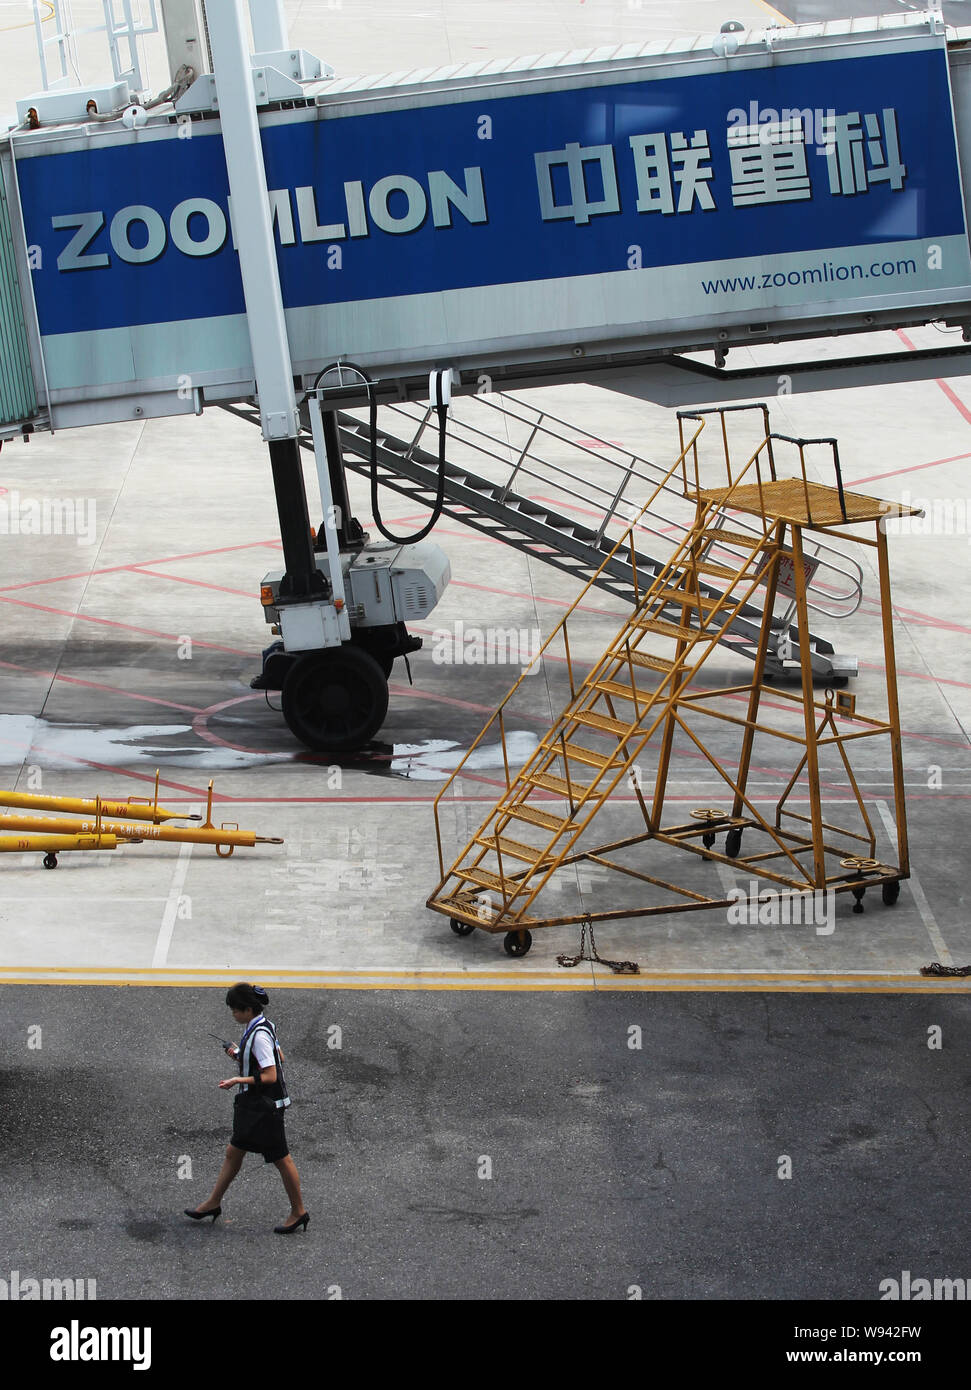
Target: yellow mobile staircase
[635, 695]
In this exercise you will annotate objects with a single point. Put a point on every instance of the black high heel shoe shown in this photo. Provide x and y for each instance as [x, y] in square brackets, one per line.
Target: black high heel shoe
[303, 1221]
[201, 1215]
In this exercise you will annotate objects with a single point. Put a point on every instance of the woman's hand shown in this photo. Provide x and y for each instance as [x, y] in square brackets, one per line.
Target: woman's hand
[230, 1083]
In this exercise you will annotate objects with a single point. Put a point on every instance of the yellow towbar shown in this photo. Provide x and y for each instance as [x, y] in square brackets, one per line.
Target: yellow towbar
[135, 808]
[53, 845]
[173, 834]
[55, 833]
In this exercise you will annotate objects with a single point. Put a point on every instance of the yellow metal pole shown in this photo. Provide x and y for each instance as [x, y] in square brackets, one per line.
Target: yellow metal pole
[81, 806]
[812, 753]
[748, 738]
[56, 844]
[169, 834]
[893, 706]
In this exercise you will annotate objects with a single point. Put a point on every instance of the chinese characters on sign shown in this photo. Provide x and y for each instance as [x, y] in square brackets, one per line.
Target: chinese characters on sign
[767, 161]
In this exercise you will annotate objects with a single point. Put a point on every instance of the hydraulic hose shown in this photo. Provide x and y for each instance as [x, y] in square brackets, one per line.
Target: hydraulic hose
[440, 393]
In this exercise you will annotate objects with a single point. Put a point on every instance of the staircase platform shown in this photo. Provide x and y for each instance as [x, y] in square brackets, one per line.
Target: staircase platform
[804, 504]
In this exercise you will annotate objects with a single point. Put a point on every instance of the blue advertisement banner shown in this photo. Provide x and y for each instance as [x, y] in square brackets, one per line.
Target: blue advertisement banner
[713, 169]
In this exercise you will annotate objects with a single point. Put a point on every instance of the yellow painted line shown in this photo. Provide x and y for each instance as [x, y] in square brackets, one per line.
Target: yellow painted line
[777, 15]
[282, 979]
[508, 982]
[29, 24]
[609, 986]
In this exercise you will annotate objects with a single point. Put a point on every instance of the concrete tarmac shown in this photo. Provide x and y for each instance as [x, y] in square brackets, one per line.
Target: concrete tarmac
[493, 1147]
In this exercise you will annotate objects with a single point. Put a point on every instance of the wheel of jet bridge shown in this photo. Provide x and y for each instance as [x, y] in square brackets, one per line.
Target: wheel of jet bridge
[336, 700]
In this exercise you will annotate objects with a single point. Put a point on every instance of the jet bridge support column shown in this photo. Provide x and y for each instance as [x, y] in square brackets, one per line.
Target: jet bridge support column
[261, 288]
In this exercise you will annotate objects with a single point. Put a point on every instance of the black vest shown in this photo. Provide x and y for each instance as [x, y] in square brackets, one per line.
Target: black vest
[248, 1066]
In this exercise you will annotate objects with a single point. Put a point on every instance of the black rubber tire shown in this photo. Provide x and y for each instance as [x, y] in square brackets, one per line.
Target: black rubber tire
[384, 659]
[335, 701]
[890, 892]
[50, 861]
[513, 946]
[708, 840]
[733, 842]
[461, 928]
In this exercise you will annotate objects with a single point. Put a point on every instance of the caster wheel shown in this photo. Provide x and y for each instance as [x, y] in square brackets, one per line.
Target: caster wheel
[858, 894]
[733, 843]
[707, 841]
[461, 928]
[517, 943]
[890, 892]
[335, 700]
[50, 861]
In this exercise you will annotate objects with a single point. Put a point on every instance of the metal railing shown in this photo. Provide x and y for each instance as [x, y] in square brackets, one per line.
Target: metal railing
[602, 484]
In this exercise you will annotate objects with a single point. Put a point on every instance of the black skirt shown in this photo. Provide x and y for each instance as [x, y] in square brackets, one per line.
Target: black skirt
[258, 1126]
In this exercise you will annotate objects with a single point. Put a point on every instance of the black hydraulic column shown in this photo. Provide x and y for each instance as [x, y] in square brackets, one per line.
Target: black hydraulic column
[302, 577]
[350, 533]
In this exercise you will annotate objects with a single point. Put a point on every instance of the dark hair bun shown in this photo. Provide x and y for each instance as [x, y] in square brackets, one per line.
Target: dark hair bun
[260, 993]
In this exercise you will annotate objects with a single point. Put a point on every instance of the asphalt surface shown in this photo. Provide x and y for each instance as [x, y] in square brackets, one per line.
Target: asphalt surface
[611, 1167]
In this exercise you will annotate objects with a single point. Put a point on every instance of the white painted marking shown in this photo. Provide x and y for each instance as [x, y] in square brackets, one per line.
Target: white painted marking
[170, 914]
[923, 906]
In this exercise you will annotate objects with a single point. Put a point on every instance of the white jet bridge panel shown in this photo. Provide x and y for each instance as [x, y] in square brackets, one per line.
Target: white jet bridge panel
[693, 194]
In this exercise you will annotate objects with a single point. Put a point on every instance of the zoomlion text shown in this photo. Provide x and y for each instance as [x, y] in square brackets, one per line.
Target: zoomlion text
[815, 275]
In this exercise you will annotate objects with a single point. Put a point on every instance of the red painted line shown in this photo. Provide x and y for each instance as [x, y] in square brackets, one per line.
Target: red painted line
[95, 685]
[910, 468]
[918, 675]
[955, 400]
[119, 569]
[198, 583]
[125, 627]
[200, 726]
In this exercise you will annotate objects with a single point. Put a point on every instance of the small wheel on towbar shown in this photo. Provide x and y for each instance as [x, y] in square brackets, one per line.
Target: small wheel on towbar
[461, 928]
[50, 861]
[516, 943]
[335, 700]
[733, 842]
[890, 892]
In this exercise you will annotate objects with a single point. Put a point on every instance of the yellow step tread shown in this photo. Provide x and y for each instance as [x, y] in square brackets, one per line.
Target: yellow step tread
[466, 909]
[579, 754]
[529, 853]
[722, 571]
[737, 538]
[682, 597]
[601, 721]
[650, 662]
[480, 876]
[536, 817]
[667, 629]
[551, 783]
[624, 691]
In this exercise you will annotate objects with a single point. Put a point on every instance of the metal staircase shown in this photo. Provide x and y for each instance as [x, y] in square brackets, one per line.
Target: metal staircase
[614, 707]
[644, 692]
[500, 446]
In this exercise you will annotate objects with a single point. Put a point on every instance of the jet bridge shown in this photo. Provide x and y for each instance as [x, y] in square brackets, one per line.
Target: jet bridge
[592, 216]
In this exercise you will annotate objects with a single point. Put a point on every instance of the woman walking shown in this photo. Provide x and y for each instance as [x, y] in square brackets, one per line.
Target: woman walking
[258, 1108]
